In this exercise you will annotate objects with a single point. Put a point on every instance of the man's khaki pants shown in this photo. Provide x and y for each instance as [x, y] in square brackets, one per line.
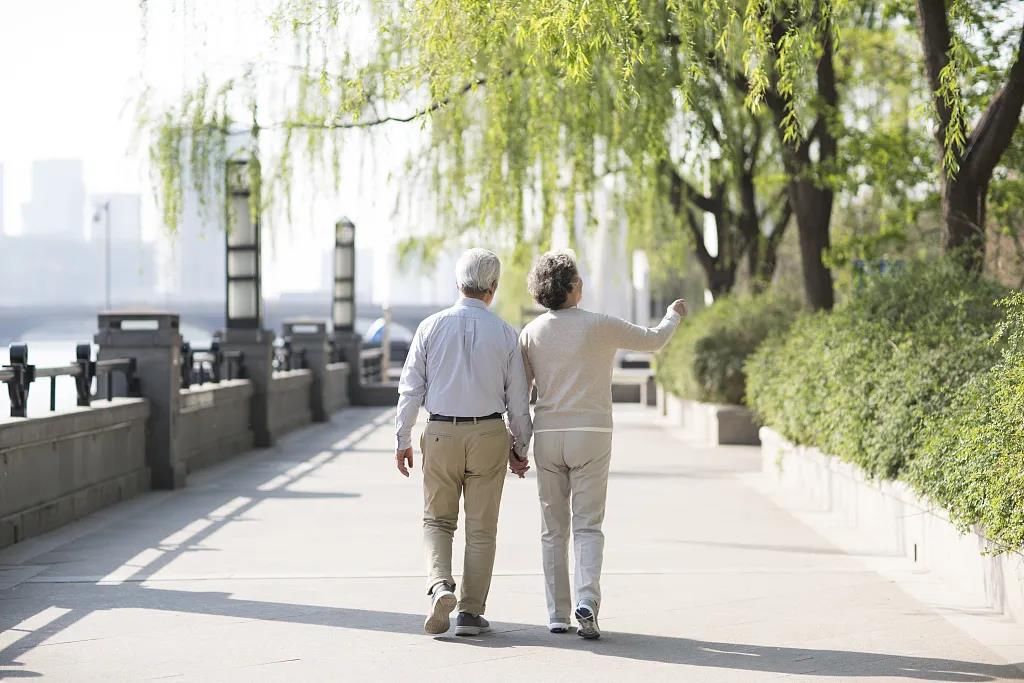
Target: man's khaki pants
[572, 471]
[463, 459]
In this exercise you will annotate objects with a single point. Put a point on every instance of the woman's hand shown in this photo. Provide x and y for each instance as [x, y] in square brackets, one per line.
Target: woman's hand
[679, 307]
[517, 466]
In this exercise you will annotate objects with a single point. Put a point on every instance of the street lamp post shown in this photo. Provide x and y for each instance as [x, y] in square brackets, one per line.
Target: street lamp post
[343, 312]
[243, 299]
[343, 303]
[105, 208]
[244, 302]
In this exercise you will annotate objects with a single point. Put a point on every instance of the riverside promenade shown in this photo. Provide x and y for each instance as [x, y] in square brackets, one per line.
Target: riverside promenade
[302, 562]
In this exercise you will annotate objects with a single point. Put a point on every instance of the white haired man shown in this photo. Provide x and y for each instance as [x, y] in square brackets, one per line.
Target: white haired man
[465, 367]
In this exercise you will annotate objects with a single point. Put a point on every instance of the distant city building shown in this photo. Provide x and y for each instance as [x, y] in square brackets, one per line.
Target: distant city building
[192, 259]
[57, 205]
[50, 270]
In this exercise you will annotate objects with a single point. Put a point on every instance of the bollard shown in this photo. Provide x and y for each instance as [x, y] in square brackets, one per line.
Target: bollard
[153, 340]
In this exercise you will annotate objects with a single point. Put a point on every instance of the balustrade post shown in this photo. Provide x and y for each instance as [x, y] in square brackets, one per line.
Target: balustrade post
[154, 341]
[309, 343]
[24, 375]
[257, 348]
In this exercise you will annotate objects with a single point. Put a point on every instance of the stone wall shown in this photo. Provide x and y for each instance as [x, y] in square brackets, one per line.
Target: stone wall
[896, 521]
[289, 401]
[57, 468]
[214, 423]
[336, 387]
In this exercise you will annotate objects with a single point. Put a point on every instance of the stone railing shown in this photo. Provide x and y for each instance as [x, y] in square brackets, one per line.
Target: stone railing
[213, 422]
[57, 468]
[163, 419]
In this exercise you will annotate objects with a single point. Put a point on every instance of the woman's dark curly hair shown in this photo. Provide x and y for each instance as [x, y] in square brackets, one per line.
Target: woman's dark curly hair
[552, 278]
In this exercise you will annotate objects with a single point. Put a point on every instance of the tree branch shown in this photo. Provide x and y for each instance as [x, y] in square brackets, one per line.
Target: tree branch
[369, 123]
[781, 221]
[994, 131]
[677, 198]
[936, 40]
[829, 93]
[683, 191]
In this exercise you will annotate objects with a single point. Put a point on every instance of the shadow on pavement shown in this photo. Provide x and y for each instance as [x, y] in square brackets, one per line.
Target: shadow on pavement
[248, 481]
[632, 646]
[213, 506]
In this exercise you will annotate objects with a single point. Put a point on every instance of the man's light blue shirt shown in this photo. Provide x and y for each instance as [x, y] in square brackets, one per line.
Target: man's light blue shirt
[465, 362]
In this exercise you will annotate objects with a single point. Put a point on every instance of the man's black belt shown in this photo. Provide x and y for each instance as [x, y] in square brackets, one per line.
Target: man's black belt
[458, 420]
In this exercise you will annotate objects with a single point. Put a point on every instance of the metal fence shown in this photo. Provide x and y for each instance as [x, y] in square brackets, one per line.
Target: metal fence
[20, 374]
[371, 366]
[211, 364]
[286, 358]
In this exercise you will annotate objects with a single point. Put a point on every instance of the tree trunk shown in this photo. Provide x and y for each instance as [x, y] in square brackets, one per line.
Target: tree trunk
[964, 195]
[762, 260]
[813, 208]
[810, 202]
[963, 211]
[721, 277]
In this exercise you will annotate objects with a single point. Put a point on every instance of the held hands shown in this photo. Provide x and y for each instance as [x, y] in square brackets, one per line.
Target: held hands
[679, 307]
[518, 467]
[403, 458]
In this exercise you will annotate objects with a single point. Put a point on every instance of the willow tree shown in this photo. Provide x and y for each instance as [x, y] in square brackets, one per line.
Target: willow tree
[573, 92]
[535, 107]
[531, 114]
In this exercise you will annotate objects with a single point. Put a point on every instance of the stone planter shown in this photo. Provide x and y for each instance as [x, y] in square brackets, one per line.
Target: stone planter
[710, 423]
[897, 520]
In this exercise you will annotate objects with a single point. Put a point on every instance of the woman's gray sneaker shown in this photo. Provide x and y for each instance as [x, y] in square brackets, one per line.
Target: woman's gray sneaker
[442, 604]
[586, 617]
[469, 625]
[558, 627]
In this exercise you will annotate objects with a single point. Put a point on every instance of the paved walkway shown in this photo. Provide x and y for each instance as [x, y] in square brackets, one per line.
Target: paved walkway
[302, 563]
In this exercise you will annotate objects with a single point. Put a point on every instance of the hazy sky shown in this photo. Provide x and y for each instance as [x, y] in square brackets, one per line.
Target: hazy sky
[69, 69]
[72, 72]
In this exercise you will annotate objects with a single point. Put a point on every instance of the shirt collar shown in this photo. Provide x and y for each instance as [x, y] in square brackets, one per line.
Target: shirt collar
[471, 302]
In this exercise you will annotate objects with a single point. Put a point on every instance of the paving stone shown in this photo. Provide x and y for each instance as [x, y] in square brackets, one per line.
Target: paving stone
[303, 563]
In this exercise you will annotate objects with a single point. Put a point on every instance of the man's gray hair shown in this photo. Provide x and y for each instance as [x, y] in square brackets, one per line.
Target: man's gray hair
[477, 272]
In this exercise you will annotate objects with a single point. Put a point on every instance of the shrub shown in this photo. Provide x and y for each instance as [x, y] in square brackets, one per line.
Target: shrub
[860, 382]
[971, 457]
[705, 359]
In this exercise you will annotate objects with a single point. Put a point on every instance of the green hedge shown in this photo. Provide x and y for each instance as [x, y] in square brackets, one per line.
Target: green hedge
[972, 457]
[705, 360]
[860, 382]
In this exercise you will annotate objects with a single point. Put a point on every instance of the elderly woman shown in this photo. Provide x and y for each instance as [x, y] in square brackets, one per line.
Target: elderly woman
[569, 354]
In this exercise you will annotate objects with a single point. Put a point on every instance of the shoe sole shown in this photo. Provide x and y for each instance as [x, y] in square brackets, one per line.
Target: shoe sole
[587, 629]
[559, 629]
[470, 630]
[439, 620]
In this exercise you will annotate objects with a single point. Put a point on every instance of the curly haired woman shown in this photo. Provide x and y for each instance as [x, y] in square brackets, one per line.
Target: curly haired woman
[569, 354]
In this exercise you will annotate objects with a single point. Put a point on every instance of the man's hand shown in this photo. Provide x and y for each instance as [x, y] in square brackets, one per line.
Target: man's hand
[403, 458]
[679, 306]
[518, 467]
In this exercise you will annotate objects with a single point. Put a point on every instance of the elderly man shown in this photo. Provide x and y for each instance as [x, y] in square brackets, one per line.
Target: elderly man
[465, 367]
